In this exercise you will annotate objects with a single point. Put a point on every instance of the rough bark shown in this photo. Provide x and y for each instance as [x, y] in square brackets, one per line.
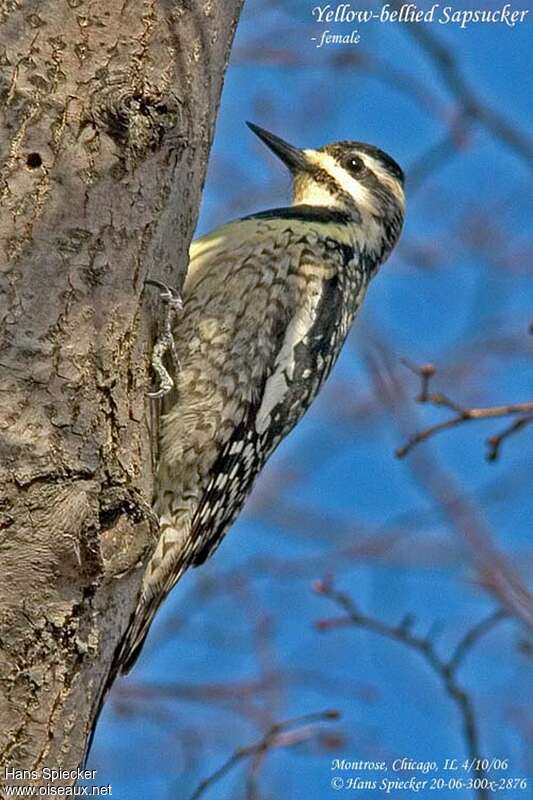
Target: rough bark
[106, 117]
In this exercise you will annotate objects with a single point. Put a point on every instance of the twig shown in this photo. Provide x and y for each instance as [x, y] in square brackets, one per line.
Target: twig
[445, 669]
[472, 637]
[495, 570]
[279, 735]
[462, 414]
[494, 442]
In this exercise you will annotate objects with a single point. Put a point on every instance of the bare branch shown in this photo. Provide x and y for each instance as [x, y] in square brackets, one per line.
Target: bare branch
[472, 637]
[462, 414]
[497, 574]
[445, 669]
[282, 734]
[494, 442]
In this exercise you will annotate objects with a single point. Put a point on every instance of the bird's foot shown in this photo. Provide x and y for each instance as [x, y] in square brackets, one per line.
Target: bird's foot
[165, 343]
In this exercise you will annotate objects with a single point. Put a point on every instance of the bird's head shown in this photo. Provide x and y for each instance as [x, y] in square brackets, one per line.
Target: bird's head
[355, 178]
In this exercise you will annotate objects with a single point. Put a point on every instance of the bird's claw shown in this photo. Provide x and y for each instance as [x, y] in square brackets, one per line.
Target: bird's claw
[167, 294]
[165, 342]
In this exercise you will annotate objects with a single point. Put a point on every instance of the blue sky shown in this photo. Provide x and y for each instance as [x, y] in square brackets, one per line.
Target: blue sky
[458, 293]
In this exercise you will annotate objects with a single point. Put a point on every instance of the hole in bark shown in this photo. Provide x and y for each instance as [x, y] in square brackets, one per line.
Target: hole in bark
[34, 160]
[110, 516]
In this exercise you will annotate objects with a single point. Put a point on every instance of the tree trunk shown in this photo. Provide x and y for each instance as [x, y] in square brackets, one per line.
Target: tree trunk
[106, 116]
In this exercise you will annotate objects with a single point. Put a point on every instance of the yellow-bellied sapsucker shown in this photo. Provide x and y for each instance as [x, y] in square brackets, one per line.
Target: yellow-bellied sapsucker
[267, 303]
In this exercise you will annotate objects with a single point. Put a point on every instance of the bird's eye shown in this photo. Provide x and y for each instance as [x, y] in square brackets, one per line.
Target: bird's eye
[354, 165]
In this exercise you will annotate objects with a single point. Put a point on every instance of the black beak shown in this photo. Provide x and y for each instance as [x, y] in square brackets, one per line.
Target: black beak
[291, 156]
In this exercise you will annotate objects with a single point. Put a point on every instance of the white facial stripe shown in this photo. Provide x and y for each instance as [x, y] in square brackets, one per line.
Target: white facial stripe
[350, 185]
[312, 193]
[361, 195]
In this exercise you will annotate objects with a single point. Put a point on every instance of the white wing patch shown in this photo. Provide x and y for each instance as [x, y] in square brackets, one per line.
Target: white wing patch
[278, 383]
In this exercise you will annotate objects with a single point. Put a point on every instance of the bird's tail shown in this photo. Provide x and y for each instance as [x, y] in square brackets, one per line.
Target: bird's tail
[164, 570]
[136, 633]
[124, 657]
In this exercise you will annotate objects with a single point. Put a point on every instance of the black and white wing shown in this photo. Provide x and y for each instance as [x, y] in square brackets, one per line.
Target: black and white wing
[305, 356]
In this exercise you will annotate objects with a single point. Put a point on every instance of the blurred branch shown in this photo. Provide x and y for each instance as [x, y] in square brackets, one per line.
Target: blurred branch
[239, 696]
[355, 60]
[282, 734]
[461, 414]
[472, 106]
[437, 155]
[431, 160]
[446, 669]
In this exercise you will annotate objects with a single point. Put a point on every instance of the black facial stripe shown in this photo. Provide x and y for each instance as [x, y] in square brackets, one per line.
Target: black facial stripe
[371, 182]
[320, 175]
[382, 194]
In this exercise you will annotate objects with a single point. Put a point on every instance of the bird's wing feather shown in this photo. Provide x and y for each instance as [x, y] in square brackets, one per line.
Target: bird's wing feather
[302, 363]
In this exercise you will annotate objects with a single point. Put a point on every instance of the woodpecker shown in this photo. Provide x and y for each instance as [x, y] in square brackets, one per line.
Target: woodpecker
[268, 301]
